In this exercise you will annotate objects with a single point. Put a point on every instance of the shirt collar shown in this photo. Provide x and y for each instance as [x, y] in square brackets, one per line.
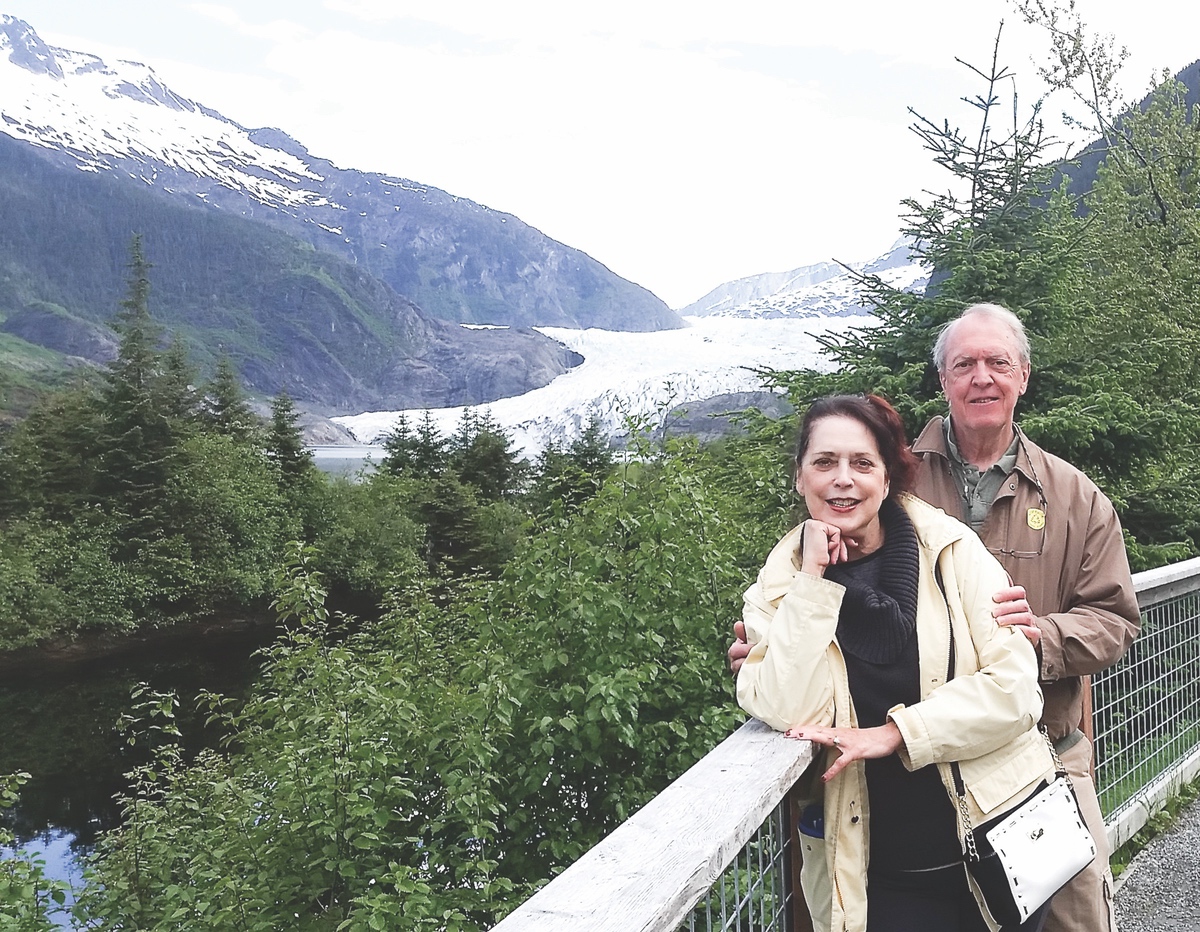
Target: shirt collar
[1006, 463]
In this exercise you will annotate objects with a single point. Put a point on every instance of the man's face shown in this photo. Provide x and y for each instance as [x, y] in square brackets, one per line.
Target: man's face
[984, 375]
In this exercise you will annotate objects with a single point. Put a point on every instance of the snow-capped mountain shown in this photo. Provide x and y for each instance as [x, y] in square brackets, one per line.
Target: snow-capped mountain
[455, 258]
[121, 118]
[825, 290]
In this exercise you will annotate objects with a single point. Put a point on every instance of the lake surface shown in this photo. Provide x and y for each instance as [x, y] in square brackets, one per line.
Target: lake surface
[347, 459]
[58, 723]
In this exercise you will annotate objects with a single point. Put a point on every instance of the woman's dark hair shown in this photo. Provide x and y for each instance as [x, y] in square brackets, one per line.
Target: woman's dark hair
[877, 416]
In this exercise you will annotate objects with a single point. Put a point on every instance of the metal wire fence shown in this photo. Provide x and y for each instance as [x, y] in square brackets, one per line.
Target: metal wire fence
[1146, 719]
[753, 893]
[1147, 708]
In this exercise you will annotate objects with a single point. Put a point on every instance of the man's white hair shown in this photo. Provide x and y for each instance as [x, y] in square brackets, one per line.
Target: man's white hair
[992, 311]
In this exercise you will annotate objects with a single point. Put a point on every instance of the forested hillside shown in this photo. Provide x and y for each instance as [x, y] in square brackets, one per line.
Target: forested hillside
[288, 315]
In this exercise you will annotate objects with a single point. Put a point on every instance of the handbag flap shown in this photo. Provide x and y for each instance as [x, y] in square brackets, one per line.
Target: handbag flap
[1042, 844]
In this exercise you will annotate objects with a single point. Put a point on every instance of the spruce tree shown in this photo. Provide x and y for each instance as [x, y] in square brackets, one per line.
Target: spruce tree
[224, 407]
[284, 443]
[482, 456]
[399, 446]
[137, 436]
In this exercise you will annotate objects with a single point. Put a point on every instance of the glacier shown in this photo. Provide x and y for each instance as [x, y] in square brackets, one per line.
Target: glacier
[635, 375]
[769, 321]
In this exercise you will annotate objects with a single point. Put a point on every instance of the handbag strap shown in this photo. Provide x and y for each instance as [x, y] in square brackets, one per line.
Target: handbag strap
[960, 789]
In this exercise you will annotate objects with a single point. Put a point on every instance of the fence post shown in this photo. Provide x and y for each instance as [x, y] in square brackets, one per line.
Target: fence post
[1087, 722]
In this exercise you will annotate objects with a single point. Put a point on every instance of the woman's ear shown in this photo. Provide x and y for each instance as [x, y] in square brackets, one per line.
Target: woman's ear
[799, 484]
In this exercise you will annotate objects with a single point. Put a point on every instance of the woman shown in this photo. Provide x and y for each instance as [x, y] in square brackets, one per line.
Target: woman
[853, 621]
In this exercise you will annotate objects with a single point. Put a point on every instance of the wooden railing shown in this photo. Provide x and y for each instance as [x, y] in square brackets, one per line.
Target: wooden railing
[651, 871]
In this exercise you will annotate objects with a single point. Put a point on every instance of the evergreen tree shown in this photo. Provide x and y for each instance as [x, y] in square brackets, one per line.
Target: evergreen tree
[225, 407]
[400, 448]
[177, 383]
[481, 454]
[423, 453]
[566, 478]
[430, 450]
[284, 443]
[137, 438]
[48, 461]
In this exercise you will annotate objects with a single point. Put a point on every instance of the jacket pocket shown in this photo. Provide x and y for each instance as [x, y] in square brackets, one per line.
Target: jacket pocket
[1005, 776]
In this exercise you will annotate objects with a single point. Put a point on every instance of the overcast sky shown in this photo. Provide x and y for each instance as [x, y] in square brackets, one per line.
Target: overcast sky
[683, 144]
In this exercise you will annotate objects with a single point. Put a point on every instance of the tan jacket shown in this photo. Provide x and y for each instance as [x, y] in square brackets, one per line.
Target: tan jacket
[985, 717]
[1074, 568]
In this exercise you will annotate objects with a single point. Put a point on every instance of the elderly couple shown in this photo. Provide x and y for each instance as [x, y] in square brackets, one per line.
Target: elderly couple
[902, 640]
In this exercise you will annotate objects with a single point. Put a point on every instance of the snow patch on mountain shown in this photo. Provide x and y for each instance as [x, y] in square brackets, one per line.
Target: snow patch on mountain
[636, 375]
[122, 118]
[825, 290]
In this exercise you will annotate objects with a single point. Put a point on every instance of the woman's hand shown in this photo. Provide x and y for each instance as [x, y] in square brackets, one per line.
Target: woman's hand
[820, 545]
[851, 743]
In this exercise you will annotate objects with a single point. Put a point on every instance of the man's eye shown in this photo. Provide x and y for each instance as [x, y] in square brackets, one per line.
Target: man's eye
[963, 365]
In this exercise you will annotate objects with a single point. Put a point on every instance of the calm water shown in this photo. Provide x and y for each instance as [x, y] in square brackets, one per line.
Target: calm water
[58, 724]
[347, 460]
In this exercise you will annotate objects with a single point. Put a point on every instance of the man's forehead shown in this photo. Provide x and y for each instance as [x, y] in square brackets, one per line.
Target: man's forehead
[981, 337]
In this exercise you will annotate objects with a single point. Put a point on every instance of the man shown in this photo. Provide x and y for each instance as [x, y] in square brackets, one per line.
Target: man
[1057, 535]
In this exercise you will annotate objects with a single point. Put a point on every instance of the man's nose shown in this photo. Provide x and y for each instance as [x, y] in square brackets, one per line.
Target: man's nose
[982, 374]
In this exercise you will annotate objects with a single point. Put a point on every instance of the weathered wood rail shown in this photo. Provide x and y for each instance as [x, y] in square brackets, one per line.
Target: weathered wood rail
[650, 872]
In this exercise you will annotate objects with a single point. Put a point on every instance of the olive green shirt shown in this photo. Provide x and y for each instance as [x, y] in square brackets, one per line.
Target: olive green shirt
[979, 488]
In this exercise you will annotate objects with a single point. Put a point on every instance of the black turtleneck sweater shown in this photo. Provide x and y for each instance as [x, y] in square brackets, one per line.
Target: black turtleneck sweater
[912, 820]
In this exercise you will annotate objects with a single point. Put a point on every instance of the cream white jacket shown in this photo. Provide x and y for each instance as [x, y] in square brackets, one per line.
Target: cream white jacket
[985, 717]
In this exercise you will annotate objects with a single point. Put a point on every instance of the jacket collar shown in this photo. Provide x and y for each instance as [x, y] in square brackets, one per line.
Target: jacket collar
[932, 440]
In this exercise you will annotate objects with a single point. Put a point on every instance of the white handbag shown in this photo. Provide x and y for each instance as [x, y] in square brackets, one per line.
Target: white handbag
[1022, 858]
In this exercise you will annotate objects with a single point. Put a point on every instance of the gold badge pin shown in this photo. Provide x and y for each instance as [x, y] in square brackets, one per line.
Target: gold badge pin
[1036, 518]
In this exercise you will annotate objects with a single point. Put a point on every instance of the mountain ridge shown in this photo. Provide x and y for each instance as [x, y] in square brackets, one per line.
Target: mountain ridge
[455, 258]
[290, 317]
[825, 289]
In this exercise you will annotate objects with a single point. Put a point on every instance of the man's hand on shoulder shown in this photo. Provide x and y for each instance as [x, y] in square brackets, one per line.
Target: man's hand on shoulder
[738, 649]
[1012, 609]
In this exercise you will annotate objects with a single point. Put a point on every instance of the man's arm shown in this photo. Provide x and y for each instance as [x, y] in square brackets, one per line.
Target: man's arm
[1103, 619]
[1011, 609]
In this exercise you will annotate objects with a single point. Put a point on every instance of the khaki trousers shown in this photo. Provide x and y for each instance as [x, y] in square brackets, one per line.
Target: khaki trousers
[1086, 903]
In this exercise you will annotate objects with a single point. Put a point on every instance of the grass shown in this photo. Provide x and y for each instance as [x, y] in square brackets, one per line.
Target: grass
[1159, 823]
[1142, 763]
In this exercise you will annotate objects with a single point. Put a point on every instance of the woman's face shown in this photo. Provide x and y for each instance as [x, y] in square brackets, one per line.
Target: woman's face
[843, 480]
